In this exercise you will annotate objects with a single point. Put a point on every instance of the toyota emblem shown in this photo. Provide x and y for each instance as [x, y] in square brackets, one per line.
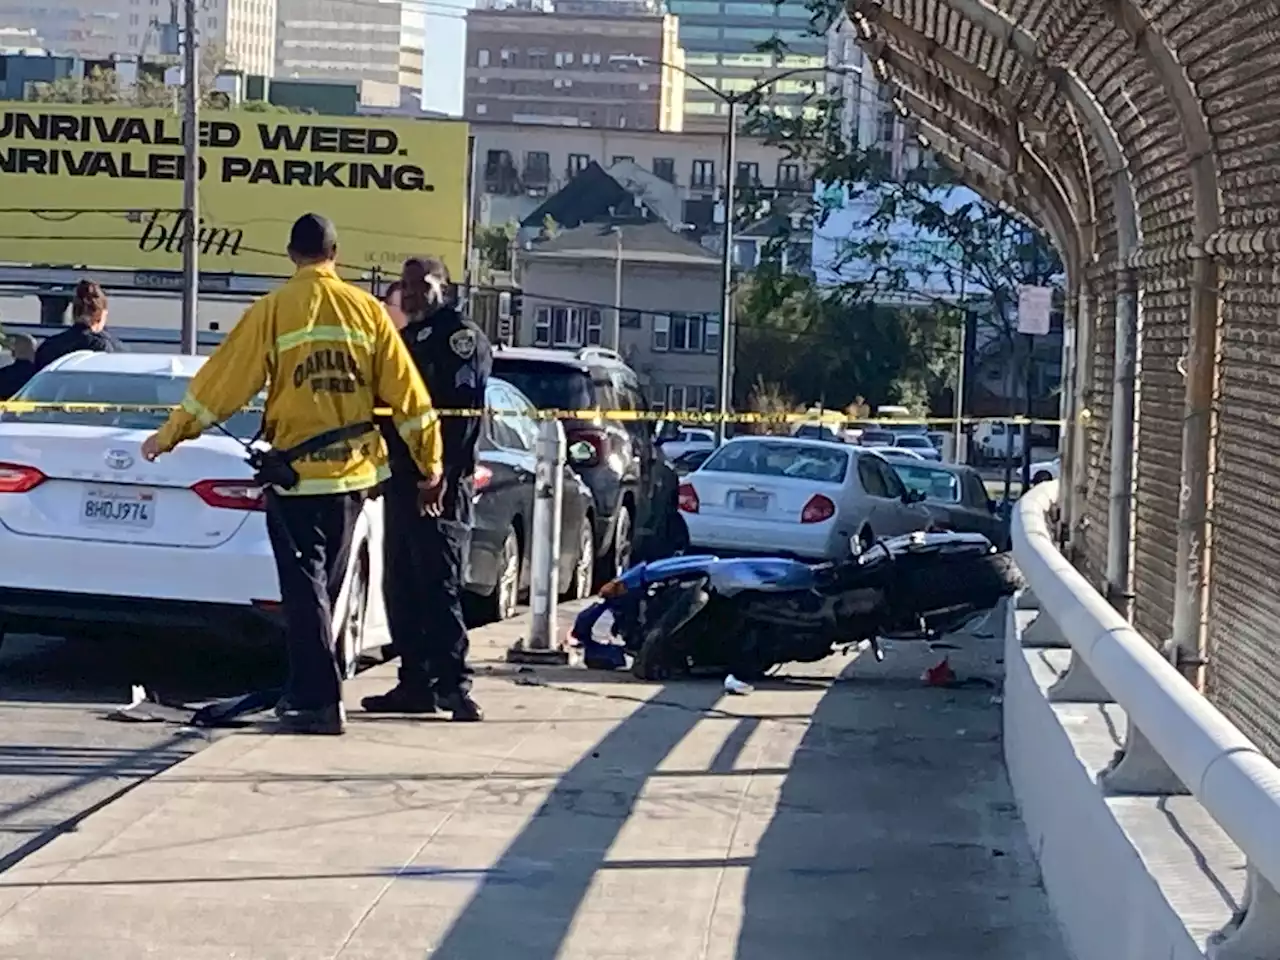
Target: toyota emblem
[119, 460]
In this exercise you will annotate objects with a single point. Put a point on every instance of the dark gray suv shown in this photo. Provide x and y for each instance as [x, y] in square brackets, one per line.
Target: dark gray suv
[635, 491]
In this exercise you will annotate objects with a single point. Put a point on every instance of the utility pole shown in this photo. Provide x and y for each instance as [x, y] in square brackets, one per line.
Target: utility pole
[726, 271]
[190, 179]
[617, 292]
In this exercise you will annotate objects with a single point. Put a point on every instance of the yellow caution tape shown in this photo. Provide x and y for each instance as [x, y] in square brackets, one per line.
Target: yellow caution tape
[688, 417]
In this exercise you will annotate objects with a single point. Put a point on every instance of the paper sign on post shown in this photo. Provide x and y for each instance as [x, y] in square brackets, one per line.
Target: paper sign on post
[1034, 306]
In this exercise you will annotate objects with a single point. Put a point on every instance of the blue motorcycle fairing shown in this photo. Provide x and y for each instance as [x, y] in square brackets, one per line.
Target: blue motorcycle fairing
[729, 576]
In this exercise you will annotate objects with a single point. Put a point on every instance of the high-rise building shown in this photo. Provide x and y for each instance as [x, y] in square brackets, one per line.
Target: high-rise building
[242, 30]
[587, 63]
[413, 42]
[870, 118]
[347, 40]
[722, 42]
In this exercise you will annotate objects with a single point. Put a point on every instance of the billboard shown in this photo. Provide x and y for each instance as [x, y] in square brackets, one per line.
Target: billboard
[101, 186]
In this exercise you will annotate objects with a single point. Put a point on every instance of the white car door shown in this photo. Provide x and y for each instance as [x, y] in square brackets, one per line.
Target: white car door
[881, 511]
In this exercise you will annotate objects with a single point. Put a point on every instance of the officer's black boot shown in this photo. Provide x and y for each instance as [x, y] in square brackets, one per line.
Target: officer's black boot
[325, 721]
[402, 698]
[463, 708]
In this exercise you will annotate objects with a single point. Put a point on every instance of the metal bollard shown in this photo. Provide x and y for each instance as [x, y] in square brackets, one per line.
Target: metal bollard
[544, 573]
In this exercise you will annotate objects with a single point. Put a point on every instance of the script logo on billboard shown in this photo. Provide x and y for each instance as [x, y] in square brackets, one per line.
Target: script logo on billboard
[163, 231]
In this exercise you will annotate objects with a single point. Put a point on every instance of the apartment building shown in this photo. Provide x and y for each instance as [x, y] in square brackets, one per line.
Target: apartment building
[243, 29]
[520, 165]
[413, 44]
[721, 40]
[605, 65]
[347, 40]
[869, 115]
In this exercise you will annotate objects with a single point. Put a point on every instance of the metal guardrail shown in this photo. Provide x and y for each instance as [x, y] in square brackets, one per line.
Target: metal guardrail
[1176, 737]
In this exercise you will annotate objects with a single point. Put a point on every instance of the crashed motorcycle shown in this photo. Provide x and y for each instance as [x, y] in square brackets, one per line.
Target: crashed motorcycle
[747, 616]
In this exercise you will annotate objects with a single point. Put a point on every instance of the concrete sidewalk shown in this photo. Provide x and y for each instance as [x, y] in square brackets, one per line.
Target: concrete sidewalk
[588, 817]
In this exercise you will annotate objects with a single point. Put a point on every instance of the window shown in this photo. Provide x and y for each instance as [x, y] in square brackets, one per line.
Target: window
[537, 167]
[884, 132]
[595, 328]
[505, 428]
[661, 333]
[871, 479]
[686, 333]
[577, 163]
[707, 401]
[665, 168]
[678, 397]
[704, 175]
[941, 486]
[482, 109]
[788, 174]
[782, 459]
[133, 40]
[567, 327]
[629, 319]
[711, 337]
[748, 174]
[482, 58]
[623, 159]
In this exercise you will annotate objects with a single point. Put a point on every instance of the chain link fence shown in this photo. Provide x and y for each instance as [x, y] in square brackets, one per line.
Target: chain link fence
[1186, 93]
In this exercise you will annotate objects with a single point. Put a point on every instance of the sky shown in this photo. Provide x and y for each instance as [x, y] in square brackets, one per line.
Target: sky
[446, 43]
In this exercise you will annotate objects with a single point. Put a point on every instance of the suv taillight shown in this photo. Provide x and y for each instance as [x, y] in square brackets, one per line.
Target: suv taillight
[587, 448]
[688, 501]
[231, 494]
[15, 478]
[818, 508]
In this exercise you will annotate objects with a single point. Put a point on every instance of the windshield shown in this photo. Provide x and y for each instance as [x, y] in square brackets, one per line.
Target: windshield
[812, 431]
[550, 386]
[919, 442]
[143, 389]
[939, 485]
[797, 460]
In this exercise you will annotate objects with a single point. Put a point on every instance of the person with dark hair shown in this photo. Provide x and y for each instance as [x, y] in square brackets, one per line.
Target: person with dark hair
[87, 330]
[329, 355]
[15, 376]
[425, 549]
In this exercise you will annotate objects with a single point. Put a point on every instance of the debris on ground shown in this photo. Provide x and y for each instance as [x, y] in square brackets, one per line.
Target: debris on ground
[733, 685]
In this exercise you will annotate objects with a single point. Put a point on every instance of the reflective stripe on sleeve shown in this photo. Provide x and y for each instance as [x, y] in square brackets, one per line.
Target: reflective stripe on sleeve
[198, 410]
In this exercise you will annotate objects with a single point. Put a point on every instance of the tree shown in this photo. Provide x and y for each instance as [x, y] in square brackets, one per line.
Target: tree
[914, 236]
[824, 348]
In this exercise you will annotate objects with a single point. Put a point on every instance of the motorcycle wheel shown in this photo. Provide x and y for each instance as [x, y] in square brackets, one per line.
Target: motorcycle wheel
[659, 655]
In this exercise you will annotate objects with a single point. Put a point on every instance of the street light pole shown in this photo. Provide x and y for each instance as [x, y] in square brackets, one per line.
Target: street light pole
[617, 293]
[726, 270]
[190, 180]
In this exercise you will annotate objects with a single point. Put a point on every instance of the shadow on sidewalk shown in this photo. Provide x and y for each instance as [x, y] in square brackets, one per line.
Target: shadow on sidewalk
[572, 832]
[895, 836]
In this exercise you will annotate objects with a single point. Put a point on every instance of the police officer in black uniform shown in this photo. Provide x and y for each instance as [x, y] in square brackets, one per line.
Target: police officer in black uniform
[426, 543]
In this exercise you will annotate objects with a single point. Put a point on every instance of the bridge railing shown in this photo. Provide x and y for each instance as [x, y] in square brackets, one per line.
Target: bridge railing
[1176, 742]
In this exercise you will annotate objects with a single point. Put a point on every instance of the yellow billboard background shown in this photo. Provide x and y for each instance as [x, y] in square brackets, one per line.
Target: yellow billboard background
[101, 186]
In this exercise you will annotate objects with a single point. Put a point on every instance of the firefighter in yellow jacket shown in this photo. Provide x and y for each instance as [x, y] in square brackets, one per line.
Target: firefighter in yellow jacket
[328, 353]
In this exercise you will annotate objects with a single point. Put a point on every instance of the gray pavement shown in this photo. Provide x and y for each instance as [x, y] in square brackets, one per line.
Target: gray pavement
[589, 816]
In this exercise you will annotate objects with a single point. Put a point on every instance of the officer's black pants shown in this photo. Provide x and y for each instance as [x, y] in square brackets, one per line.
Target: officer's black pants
[423, 563]
[311, 539]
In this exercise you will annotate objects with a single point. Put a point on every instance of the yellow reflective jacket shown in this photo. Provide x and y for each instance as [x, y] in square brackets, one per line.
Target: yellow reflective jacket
[328, 353]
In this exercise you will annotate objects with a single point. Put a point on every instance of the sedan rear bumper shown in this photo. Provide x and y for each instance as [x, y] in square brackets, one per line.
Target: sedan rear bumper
[51, 612]
[728, 535]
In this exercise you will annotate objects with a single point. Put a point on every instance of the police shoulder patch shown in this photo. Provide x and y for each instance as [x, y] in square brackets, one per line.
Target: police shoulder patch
[463, 343]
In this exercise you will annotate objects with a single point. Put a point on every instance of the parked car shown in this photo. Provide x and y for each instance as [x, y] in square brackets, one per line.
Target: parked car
[802, 498]
[956, 497]
[890, 452]
[690, 460]
[1046, 470]
[994, 441]
[94, 539]
[817, 431]
[634, 489]
[919, 442]
[875, 437]
[683, 439]
[501, 541]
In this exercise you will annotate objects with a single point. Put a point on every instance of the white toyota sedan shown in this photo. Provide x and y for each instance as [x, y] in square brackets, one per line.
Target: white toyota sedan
[92, 537]
[803, 498]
